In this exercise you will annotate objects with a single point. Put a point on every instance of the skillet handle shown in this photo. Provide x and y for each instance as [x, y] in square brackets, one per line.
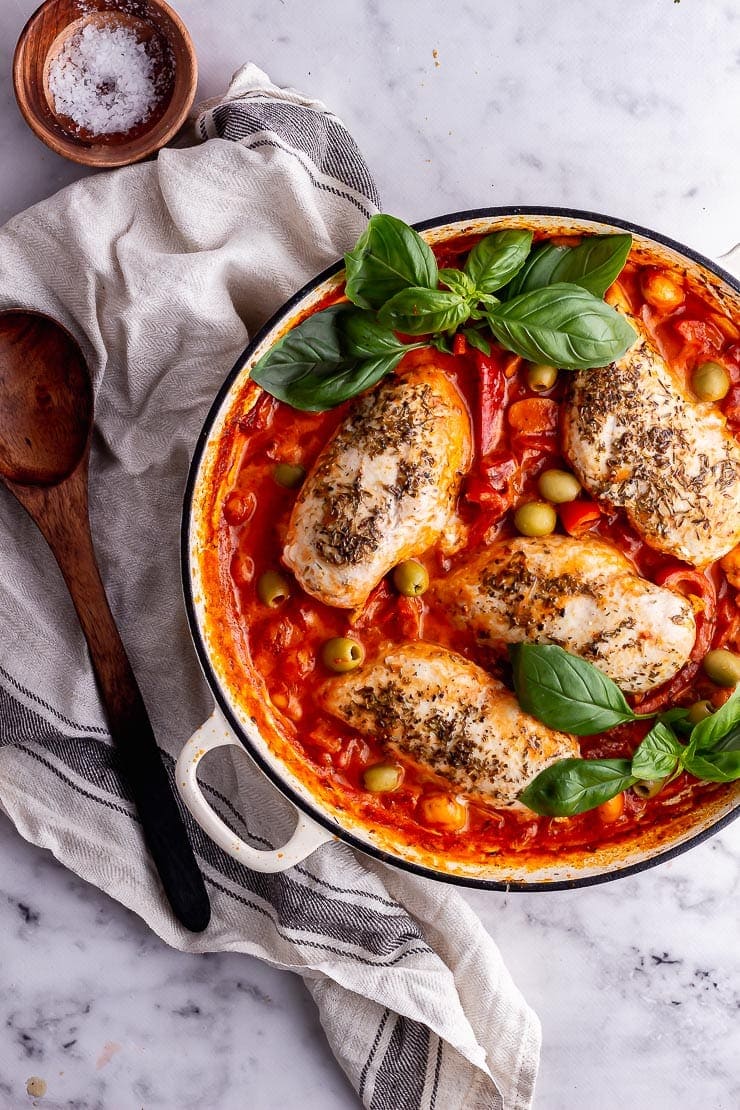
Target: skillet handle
[216, 733]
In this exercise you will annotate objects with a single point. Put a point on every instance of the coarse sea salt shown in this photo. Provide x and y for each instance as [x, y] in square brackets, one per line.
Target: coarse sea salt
[104, 80]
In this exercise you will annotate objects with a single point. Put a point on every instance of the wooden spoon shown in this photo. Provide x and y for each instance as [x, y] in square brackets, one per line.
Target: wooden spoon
[46, 419]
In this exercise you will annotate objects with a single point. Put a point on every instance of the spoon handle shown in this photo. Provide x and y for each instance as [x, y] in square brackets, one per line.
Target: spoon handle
[61, 513]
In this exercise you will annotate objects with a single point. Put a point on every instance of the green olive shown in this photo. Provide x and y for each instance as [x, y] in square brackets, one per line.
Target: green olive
[272, 589]
[342, 654]
[410, 578]
[648, 788]
[722, 666]
[535, 518]
[558, 486]
[710, 381]
[382, 778]
[289, 476]
[699, 711]
[541, 377]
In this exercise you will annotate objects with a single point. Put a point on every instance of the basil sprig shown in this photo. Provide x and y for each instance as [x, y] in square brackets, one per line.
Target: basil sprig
[544, 304]
[567, 693]
[329, 357]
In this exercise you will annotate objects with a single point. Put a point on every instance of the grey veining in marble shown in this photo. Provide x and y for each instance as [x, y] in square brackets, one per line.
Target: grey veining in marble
[628, 109]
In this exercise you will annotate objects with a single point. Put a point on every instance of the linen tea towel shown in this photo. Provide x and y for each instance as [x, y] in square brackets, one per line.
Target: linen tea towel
[162, 271]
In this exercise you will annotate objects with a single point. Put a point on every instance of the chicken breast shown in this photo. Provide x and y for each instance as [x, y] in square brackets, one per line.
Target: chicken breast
[636, 439]
[581, 594]
[383, 488]
[447, 714]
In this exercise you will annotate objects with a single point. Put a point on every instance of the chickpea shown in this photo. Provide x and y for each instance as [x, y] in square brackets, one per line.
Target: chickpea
[289, 476]
[612, 809]
[699, 711]
[710, 381]
[648, 788]
[442, 811]
[382, 778]
[541, 377]
[272, 589]
[722, 666]
[535, 518]
[660, 290]
[558, 486]
[342, 654]
[410, 578]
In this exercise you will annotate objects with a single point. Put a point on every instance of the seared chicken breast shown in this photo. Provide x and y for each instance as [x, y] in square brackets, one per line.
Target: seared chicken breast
[445, 713]
[383, 488]
[638, 440]
[584, 596]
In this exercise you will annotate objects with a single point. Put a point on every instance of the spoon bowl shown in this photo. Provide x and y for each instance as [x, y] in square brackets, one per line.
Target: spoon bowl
[46, 402]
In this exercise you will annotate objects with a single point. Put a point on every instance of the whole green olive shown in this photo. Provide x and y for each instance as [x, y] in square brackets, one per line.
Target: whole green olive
[710, 381]
[699, 711]
[342, 654]
[558, 486]
[410, 578]
[535, 518]
[272, 589]
[648, 788]
[289, 476]
[541, 377]
[722, 666]
[382, 778]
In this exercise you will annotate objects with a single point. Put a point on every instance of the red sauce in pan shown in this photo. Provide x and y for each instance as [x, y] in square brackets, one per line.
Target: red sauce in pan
[514, 429]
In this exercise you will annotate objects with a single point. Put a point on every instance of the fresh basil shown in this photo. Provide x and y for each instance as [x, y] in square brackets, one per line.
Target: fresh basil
[565, 692]
[714, 746]
[496, 259]
[573, 786]
[457, 281]
[658, 755]
[389, 256]
[329, 357]
[594, 264]
[419, 311]
[536, 271]
[562, 325]
[476, 340]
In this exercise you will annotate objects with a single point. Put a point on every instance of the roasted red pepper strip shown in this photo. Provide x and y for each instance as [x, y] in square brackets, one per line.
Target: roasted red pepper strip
[578, 517]
[491, 390]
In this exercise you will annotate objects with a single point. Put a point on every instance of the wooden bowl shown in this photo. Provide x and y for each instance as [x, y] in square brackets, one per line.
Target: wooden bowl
[175, 72]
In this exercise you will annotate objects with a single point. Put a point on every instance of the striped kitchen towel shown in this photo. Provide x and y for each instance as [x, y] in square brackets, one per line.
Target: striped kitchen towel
[162, 271]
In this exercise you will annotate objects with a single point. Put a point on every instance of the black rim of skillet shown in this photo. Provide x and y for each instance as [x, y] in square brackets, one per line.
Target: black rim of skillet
[222, 701]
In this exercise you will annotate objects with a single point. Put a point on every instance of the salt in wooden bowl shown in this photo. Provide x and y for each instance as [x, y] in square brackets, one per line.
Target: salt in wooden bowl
[148, 34]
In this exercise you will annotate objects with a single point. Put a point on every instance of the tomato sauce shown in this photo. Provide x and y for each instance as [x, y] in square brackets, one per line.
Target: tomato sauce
[516, 434]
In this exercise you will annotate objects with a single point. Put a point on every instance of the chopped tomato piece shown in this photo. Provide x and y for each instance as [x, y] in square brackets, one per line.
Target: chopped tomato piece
[534, 416]
[731, 407]
[701, 333]
[459, 344]
[579, 517]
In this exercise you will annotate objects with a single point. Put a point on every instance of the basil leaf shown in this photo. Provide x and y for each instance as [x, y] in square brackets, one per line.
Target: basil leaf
[316, 366]
[475, 339]
[326, 389]
[716, 766]
[420, 311]
[658, 755]
[708, 735]
[562, 325]
[457, 281]
[363, 336]
[441, 343]
[536, 271]
[565, 692]
[573, 786]
[593, 264]
[497, 258]
[389, 256]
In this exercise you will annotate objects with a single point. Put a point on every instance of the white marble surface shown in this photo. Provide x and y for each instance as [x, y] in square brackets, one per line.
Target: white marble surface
[627, 109]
